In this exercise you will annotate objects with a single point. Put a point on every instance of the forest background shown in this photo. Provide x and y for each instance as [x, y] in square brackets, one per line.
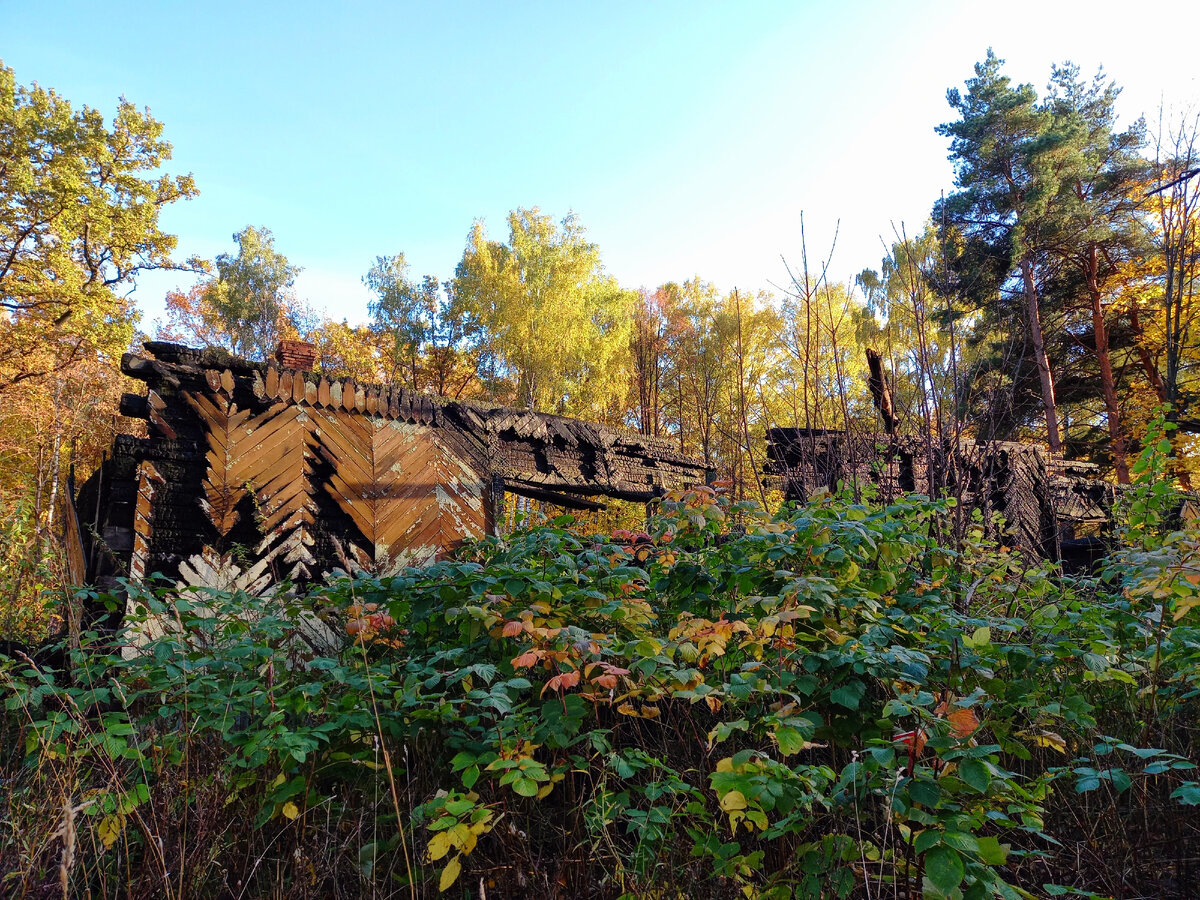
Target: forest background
[1049, 296]
[837, 699]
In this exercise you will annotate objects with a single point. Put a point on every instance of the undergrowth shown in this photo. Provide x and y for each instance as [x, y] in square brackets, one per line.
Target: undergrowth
[838, 701]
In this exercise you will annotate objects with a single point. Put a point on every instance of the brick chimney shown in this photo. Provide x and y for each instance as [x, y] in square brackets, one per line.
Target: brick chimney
[298, 355]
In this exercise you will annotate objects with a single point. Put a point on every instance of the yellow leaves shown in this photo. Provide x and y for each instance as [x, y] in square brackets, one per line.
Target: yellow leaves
[439, 846]
[450, 873]
[733, 804]
[1043, 738]
[645, 711]
[109, 830]
[733, 801]
[701, 638]
[545, 789]
[290, 810]
[687, 679]
[768, 624]
[980, 637]
[458, 829]
[1184, 605]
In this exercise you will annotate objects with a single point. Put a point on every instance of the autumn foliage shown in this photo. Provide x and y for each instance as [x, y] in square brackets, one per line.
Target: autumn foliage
[828, 702]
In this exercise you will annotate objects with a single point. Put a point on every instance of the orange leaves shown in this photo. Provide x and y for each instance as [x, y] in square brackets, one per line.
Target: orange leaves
[609, 676]
[562, 682]
[512, 629]
[963, 722]
[914, 740]
[528, 658]
[367, 622]
[532, 622]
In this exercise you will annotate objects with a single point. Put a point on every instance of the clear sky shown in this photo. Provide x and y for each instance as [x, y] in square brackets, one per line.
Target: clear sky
[687, 136]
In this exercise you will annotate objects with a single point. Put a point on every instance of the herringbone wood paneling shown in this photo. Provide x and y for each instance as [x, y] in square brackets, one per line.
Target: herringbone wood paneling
[225, 426]
[406, 492]
[268, 453]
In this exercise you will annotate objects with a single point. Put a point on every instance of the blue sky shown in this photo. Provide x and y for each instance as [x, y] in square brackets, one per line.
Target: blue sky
[688, 137]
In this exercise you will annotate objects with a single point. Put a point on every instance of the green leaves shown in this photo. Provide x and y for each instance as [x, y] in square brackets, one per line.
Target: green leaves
[943, 869]
[975, 772]
[848, 695]
[714, 730]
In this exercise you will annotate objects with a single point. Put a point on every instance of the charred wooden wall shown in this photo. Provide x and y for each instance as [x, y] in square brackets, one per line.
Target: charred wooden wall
[1048, 508]
[255, 472]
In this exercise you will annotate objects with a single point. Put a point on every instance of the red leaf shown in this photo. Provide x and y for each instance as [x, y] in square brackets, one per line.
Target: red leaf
[528, 658]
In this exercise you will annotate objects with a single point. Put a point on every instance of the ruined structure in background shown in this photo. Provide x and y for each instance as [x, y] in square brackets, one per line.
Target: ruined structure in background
[252, 472]
[1051, 509]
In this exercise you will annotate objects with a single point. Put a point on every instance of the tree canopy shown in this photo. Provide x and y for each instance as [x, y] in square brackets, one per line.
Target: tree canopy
[78, 222]
[248, 305]
[553, 320]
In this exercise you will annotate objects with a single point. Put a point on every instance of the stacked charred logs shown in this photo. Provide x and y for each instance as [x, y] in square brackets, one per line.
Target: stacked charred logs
[284, 466]
[1048, 510]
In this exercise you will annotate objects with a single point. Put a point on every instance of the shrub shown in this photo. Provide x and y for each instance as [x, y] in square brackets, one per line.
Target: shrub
[825, 703]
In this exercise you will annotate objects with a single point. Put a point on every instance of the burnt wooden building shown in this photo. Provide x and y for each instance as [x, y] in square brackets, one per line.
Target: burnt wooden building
[251, 473]
[1047, 507]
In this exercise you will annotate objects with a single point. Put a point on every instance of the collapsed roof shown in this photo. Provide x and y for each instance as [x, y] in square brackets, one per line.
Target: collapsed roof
[299, 472]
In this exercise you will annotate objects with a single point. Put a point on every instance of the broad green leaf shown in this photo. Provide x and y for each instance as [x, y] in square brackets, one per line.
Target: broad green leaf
[991, 851]
[944, 868]
[975, 773]
[848, 695]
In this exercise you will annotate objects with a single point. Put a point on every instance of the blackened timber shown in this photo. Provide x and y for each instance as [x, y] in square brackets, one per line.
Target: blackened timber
[558, 498]
[297, 464]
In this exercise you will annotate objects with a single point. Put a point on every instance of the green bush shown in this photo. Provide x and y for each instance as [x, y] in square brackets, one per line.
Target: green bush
[837, 701]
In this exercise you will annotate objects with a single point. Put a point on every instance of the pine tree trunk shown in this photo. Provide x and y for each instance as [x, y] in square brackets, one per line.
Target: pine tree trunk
[1039, 351]
[1112, 409]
